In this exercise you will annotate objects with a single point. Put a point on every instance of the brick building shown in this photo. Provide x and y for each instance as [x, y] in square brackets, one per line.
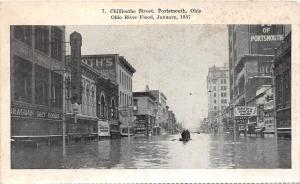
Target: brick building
[145, 112]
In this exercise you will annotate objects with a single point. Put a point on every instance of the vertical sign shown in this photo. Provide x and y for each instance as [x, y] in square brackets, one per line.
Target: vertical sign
[75, 42]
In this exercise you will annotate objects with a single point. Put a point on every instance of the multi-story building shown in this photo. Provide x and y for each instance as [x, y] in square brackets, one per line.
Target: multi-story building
[161, 111]
[282, 75]
[118, 70]
[107, 108]
[251, 51]
[171, 122]
[36, 71]
[145, 112]
[218, 94]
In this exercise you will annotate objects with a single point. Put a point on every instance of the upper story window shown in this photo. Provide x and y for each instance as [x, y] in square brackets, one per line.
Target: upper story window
[22, 80]
[56, 43]
[56, 90]
[42, 38]
[41, 85]
[23, 33]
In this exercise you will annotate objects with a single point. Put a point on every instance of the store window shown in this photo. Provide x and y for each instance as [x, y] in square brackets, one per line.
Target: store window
[22, 80]
[23, 33]
[57, 43]
[41, 85]
[42, 38]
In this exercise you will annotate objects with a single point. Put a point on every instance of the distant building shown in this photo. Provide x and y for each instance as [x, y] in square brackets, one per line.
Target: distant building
[218, 93]
[144, 103]
[36, 73]
[171, 122]
[282, 73]
[161, 111]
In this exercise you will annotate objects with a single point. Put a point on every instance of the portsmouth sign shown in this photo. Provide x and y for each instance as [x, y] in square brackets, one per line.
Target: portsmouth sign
[245, 111]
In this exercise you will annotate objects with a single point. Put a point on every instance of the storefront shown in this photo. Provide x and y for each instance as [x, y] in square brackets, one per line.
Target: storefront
[33, 124]
[81, 128]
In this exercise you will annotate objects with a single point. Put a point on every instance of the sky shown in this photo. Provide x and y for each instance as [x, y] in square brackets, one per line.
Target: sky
[171, 58]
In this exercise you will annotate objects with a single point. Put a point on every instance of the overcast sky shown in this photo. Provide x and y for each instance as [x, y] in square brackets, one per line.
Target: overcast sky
[172, 58]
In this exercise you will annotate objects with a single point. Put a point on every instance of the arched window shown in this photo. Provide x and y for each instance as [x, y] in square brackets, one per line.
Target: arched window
[113, 109]
[102, 101]
[93, 101]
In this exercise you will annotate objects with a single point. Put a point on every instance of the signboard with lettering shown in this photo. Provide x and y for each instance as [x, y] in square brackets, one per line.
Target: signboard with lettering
[265, 38]
[103, 128]
[126, 115]
[31, 113]
[245, 111]
[105, 64]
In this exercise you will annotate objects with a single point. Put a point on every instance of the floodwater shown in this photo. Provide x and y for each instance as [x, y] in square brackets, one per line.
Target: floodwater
[162, 152]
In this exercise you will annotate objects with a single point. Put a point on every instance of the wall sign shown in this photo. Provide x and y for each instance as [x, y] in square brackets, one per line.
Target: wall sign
[30, 113]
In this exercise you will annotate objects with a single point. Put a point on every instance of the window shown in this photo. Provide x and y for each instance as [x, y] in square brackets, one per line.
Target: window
[223, 81]
[120, 77]
[215, 101]
[215, 107]
[22, 80]
[56, 90]
[57, 43]
[42, 39]
[223, 94]
[223, 88]
[215, 88]
[113, 109]
[23, 33]
[223, 101]
[215, 94]
[135, 102]
[102, 102]
[41, 85]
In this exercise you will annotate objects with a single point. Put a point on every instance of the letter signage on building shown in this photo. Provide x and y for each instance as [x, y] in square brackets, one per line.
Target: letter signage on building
[245, 111]
[266, 33]
[31, 113]
[105, 64]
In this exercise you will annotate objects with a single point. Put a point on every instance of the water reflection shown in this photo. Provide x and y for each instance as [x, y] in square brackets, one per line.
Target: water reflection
[203, 151]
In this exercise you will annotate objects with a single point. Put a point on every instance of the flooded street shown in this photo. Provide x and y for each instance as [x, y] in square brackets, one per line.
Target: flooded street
[163, 152]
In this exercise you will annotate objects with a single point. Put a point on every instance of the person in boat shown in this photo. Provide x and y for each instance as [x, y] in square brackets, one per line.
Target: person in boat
[185, 135]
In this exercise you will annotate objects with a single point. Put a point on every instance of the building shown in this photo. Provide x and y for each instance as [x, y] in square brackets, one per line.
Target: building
[251, 52]
[282, 75]
[264, 122]
[145, 112]
[36, 70]
[171, 125]
[118, 70]
[161, 111]
[107, 108]
[81, 118]
[218, 94]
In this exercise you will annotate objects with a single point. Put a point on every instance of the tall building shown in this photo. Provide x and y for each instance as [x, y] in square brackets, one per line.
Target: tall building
[118, 70]
[251, 52]
[218, 93]
[37, 63]
[282, 75]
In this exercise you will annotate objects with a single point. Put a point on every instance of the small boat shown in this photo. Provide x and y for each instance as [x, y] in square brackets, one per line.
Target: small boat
[185, 136]
[184, 139]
